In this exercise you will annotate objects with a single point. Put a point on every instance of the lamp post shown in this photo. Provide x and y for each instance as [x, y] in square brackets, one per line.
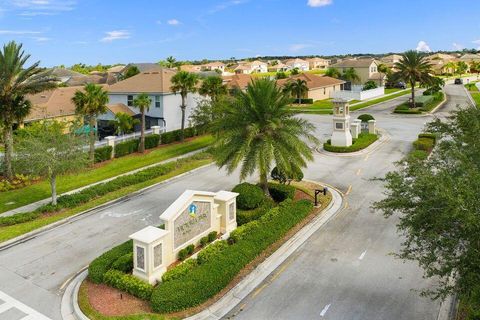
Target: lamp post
[317, 192]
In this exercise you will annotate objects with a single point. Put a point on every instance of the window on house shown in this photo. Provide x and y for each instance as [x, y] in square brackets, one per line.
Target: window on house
[130, 100]
[324, 91]
[157, 101]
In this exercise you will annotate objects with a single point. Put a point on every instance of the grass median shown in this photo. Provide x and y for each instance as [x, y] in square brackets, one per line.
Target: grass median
[17, 198]
[185, 165]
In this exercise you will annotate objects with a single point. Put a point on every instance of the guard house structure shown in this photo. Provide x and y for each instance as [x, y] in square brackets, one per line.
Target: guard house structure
[341, 136]
[192, 216]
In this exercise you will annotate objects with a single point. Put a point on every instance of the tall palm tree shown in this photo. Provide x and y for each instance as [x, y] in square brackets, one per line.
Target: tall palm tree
[333, 72]
[450, 67]
[384, 70]
[184, 82]
[16, 81]
[351, 75]
[257, 132]
[213, 87]
[171, 62]
[297, 87]
[142, 102]
[90, 103]
[414, 67]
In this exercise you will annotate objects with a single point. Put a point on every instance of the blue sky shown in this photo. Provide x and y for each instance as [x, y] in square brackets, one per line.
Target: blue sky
[107, 31]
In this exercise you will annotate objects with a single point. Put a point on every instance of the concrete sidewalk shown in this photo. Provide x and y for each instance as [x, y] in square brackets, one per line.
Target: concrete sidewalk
[33, 206]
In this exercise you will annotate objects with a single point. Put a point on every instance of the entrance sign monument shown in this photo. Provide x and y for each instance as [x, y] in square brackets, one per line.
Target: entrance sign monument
[341, 136]
[192, 216]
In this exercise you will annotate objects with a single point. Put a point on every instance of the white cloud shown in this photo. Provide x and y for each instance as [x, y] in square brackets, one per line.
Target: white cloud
[299, 47]
[18, 32]
[457, 46]
[173, 22]
[477, 42]
[41, 7]
[319, 3]
[226, 5]
[423, 46]
[41, 39]
[115, 35]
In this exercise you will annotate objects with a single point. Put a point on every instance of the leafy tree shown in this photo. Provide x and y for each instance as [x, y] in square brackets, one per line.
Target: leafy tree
[142, 102]
[131, 71]
[257, 129]
[171, 62]
[213, 87]
[207, 112]
[281, 75]
[450, 67]
[434, 86]
[90, 103]
[16, 81]
[384, 70]
[295, 71]
[45, 150]
[462, 67]
[475, 67]
[284, 177]
[436, 200]
[184, 82]
[412, 68]
[124, 123]
[298, 88]
[369, 85]
[333, 72]
[351, 75]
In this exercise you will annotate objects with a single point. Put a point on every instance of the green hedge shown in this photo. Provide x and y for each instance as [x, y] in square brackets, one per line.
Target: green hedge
[424, 144]
[99, 267]
[152, 141]
[124, 263]
[365, 117]
[103, 154]
[363, 141]
[176, 135]
[128, 283]
[19, 218]
[250, 196]
[281, 192]
[206, 280]
[245, 216]
[126, 148]
[179, 270]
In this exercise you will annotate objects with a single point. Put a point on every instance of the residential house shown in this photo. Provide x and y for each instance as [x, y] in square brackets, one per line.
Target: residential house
[318, 63]
[213, 66]
[193, 68]
[391, 60]
[165, 107]
[299, 64]
[251, 67]
[279, 67]
[439, 62]
[237, 81]
[319, 87]
[469, 57]
[144, 66]
[367, 69]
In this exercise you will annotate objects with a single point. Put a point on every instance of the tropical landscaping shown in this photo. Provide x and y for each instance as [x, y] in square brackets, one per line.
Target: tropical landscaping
[474, 92]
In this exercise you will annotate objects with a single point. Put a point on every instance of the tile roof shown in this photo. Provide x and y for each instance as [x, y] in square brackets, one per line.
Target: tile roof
[237, 81]
[313, 81]
[354, 63]
[120, 107]
[157, 80]
[52, 103]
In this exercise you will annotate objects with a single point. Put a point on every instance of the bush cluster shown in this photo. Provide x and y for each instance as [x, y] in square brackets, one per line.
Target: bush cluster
[176, 135]
[152, 141]
[211, 251]
[103, 154]
[125, 148]
[363, 141]
[99, 267]
[281, 192]
[250, 196]
[185, 252]
[128, 283]
[245, 216]
[179, 270]
[365, 117]
[205, 280]
[423, 145]
[18, 181]
[124, 263]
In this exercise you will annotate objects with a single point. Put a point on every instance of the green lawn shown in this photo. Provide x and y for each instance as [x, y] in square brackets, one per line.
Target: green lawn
[382, 99]
[10, 232]
[392, 90]
[16, 198]
[473, 89]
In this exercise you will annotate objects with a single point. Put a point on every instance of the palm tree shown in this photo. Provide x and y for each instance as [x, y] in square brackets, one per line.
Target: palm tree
[142, 102]
[171, 62]
[258, 131]
[450, 66]
[184, 82]
[333, 72]
[297, 87]
[475, 67]
[383, 69]
[91, 102]
[351, 75]
[124, 123]
[213, 87]
[16, 81]
[412, 68]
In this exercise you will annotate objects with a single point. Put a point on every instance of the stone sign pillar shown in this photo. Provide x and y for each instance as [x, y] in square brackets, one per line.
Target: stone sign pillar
[371, 127]
[341, 135]
[192, 216]
[356, 128]
[111, 143]
[155, 129]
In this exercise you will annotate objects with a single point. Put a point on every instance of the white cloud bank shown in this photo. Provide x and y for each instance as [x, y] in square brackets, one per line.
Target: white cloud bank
[173, 22]
[422, 46]
[319, 3]
[115, 35]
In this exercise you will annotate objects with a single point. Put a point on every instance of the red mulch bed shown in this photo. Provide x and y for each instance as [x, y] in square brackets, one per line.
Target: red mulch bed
[112, 302]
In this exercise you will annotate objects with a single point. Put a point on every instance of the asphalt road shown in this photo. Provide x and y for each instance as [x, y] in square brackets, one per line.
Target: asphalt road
[344, 271]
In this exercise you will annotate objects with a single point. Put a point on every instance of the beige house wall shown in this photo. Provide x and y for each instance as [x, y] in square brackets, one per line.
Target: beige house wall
[322, 93]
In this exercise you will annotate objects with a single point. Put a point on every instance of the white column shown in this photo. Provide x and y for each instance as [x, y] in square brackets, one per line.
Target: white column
[156, 129]
[371, 127]
[111, 143]
[355, 129]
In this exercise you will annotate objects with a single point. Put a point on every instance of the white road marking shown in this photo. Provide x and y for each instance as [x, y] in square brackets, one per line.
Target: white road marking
[362, 255]
[10, 302]
[324, 311]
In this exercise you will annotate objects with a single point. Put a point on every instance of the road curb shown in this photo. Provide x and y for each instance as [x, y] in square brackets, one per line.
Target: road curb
[440, 104]
[71, 310]
[469, 95]
[33, 234]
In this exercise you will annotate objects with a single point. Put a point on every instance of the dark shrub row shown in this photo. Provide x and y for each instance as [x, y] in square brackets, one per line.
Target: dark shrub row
[245, 216]
[102, 264]
[250, 196]
[125, 148]
[152, 141]
[103, 154]
[302, 101]
[281, 192]
[363, 141]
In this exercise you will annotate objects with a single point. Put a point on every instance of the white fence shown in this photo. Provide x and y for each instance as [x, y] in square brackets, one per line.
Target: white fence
[126, 137]
[357, 94]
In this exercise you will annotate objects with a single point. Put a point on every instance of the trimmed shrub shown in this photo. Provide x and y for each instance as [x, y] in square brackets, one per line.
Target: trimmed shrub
[103, 154]
[19, 218]
[172, 136]
[204, 241]
[190, 248]
[152, 141]
[100, 266]
[128, 283]
[182, 254]
[212, 236]
[179, 270]
[245, 216]
[124, 263]
[425, 144]
[418, 154]
[363, 141]
[211, 251]
[205, 280]
[369, 85]
[281, 192]
[125, 148]
[428, 136]
[250, 196]
[365, 117]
